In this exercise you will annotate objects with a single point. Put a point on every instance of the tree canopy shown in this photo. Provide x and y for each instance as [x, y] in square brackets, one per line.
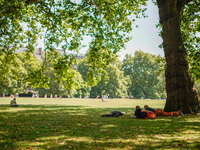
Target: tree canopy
[65, 23]
[143, 71]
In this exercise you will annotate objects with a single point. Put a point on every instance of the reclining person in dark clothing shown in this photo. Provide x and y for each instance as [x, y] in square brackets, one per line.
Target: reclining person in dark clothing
[144, 114]
[113, 114]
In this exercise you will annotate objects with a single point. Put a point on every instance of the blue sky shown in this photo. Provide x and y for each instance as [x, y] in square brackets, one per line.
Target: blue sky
[145, 38]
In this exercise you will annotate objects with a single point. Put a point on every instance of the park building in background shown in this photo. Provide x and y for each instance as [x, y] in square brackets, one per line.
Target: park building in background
[40, 54]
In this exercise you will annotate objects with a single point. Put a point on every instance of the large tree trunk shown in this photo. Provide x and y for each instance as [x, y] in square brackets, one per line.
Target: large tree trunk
[181, 93]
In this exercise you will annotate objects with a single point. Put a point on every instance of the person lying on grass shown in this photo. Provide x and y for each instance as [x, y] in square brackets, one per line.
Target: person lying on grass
[13, 103]
[160, 112]
[113, 114]
[144, 114]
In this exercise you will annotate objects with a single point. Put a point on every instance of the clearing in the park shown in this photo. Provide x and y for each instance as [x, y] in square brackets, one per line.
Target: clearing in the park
[56, 124]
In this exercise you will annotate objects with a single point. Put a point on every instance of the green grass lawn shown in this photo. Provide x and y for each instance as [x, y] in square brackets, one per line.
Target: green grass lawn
[77, 124]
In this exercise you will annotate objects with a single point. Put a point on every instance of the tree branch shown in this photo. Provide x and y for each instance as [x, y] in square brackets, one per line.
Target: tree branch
[184, 2]
[161, 3]
[198, 5]
[52, 23]
[29, 2]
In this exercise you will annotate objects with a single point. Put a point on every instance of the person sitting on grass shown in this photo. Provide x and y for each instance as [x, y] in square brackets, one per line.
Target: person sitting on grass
[160, 112]
[113, 114]
[13, 103]
[144, 114]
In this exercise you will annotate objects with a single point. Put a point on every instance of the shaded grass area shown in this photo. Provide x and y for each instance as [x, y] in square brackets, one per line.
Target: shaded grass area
[77, 124]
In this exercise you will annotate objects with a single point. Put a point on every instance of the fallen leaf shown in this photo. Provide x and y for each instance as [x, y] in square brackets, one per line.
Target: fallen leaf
[128, 147]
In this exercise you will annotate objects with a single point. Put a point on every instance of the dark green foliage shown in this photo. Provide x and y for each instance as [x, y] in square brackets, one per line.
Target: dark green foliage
[190, 27]
[14, 79]
[143, 71]
[62, 81]
[115, 85]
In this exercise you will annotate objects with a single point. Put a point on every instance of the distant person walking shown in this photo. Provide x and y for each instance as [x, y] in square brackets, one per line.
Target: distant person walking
[13, 103]
[103, 100]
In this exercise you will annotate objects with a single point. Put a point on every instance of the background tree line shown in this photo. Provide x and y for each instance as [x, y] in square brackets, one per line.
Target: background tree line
[136, 76]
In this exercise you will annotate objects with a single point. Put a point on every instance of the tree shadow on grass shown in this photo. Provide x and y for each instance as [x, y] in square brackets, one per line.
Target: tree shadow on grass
[80, 127]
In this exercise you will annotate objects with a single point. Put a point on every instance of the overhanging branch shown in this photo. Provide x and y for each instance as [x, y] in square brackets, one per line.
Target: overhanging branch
[161, 3]
[198, 5]
[187, 1]
[29, 2]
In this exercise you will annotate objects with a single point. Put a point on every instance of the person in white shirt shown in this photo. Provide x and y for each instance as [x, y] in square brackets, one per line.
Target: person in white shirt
[13, 103]
[103, 100]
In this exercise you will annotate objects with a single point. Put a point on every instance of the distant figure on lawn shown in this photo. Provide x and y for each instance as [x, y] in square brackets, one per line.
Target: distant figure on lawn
[113, 114]
[160, 112]
[144, 114]
[13, 103]
[103, 100]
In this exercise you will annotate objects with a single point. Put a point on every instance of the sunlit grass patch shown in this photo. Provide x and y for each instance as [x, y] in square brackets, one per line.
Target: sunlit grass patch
[77, 124]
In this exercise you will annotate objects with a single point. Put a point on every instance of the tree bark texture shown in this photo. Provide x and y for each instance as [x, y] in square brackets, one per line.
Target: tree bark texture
[181, 93]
